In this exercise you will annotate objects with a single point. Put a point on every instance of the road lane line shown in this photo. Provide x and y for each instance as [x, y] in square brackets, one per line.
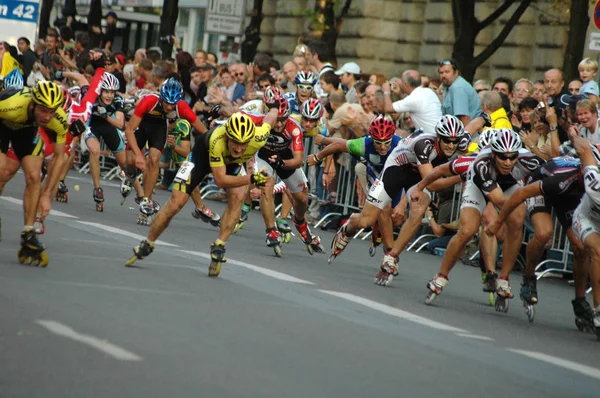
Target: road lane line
[563, 363]
[474, 336]
[52, 212]
[398, 313]
[123, 232]
[124, 288]
[104, 346]
[265, 271]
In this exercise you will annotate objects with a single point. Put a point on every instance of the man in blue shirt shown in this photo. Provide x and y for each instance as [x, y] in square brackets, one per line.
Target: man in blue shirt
[460, 99]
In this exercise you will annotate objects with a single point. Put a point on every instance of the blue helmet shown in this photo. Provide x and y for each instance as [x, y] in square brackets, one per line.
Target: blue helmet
[171, 91]
[14, 79]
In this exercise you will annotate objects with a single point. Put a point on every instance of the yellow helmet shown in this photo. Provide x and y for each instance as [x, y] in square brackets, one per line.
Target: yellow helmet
[182, 128]
[47, 94]
[240, 128]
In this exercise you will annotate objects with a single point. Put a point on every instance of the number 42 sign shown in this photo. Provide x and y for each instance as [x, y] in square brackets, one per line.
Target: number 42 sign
[19, 10]
[18, 18]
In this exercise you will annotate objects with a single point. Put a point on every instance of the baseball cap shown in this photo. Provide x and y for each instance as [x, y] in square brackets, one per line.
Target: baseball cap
[349, 67]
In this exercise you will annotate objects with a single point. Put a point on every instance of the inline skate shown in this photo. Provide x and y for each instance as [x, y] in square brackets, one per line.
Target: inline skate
[503, 294]
[243, 218]
[38, 226]
[148, 210]
[62, 193]
[285, 230]
[312, 242]
[217, 258]
[274, 240]
[387, 271]
[99, 199]
[488, 278]
[206, 215]
[435, 286]
[340, 241]
[375, 240]
[528, 295]
[126, 187]
[584, 315]
[144, 249]
[32, 251]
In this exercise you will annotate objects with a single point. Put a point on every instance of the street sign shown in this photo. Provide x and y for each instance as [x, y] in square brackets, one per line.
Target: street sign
[18, 18]
[594, 41]
[225, 17]
[597, 15]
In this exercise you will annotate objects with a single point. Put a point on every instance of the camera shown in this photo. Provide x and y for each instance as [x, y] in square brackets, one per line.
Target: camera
[541, 106]
[166, 39]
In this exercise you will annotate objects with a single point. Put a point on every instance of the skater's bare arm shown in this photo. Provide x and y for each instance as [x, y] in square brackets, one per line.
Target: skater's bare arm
[199, 126]
[226, 181]
[528, 191]
[497, 197]
[132, 125]
[337, 147]
[118, 121]
[431, 176]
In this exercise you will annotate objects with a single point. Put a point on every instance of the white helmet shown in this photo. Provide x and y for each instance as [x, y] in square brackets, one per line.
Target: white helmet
[450, 126]
[505, 141]
[485, 138]
[312, 109]
[109, 82]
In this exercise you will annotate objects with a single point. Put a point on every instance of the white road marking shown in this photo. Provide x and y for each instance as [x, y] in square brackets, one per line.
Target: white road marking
[474, 336]
[52, 212]
[104, 346]
[125, 288]
[398, 313]
[265, 271]
[563, 363]
[120, 231]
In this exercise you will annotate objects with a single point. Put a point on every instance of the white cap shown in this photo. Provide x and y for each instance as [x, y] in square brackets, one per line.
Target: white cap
[349, 67]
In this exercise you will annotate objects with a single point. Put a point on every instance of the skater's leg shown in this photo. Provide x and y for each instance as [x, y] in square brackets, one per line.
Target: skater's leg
[32, 166]
[94, 148]
[542, 226]
[151, 173]
[386, 227]
[300, 203]
[581, 264]
[408, 230]
[8, 169]
[367, 217]
[592, 242]
[235, 196]
[470, 219]
[173, 206]
[197, 198]
[267, 204]
[512, 244]
[286, 205]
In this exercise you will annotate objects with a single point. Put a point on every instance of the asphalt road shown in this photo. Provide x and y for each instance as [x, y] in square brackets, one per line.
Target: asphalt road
[86, 326]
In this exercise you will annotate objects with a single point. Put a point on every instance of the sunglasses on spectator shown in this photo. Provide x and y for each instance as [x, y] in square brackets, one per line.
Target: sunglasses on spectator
[447, 62]
[264, 86]
[238, 74]
[480, 90]
[386, 142]
[502, 156]
[305, 87]
[447, 140]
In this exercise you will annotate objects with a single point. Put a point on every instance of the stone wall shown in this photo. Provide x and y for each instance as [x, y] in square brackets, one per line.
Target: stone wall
[389, 36]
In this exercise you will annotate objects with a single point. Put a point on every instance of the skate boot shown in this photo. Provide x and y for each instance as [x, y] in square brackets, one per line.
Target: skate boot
[206, 215]
[339, 242]
[126, 187]
[217, 258]
[148, 210]
[375, 240]
[387, 271]
[489, 284]
[284, 229]
[529, 295]
[99, 199]
[274, 240]
[138, 199]
[141, 251]
[584, 315]
[62, 195]
[435, 286]
[38, 226]
[312, 242]
[503, 294]
[32, 251]
[243, 218]
[597, 322]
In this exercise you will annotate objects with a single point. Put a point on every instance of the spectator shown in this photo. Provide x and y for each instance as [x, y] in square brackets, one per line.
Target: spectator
[378, 79]
[301, 63]
[422, 103]
[39, 48]
[29, 57]
[349, 74]
[82, 42]
[587, 115]
[211, 59]
[51, 49]
[539, 91]
[503, 85]
[140, 54]
[575, 86]
[407, 125]
[290, 69]
[7, 62]
[319, 56]
[372, 102]
[588, 68]
[521, 120]
[555, 88]
[330, 83]
[459, 97]
[424, 81]
[144, 72]
[66, 36]
[230, 88]
[523, 89]
[154, 54]
[481, 85]
[491, 103]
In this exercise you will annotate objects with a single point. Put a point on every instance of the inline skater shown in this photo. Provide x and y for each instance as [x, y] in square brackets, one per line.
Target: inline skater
[222, 152]
[413, 158]
[305, 85]
[495, 174]
[373, 150]
[148, 126]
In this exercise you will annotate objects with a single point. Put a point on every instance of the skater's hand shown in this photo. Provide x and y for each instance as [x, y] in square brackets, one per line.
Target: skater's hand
[171, 141]
[140, 162]
[399, 214]
[259, 178]
[416, 195]
[492, 228]
[44, 206]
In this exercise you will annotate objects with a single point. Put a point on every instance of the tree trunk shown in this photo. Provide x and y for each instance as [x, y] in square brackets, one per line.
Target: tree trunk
[331, 24]
[465, 30]
[577, 35]
[168, 20]
[94, 19]
[252, 33]
[44, 23]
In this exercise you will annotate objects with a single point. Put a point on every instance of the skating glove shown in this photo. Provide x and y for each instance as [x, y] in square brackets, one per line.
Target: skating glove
[463, 144]
[77, 128]
[487, 119]
[277, 163]
[259, 178]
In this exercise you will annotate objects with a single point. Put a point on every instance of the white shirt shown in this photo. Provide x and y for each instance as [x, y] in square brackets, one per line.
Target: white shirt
[424, 106]
[594, 137]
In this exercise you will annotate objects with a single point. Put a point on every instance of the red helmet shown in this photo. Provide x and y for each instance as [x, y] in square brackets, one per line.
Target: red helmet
[68, 102]
[271, 94]
[382, 128]
[284, 108]
[312, 109]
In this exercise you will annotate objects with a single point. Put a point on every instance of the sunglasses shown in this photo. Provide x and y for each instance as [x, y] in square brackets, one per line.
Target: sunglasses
[447, 62]
[305, 87]
[108, 63]
[282, 119]
[386, 142]
[307, 119]
[447, 140]
[264, 87]
[502, 156]
[238, 74]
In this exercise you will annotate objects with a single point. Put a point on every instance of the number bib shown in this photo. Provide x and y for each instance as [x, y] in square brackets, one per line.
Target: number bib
[184, 171]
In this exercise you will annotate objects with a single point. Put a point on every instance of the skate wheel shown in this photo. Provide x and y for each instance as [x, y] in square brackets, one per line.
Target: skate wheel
[43, 260]
[530, 311]
[130, 262]
[238, 226]
[579, 324]
[491, 299]
[277, 250]
[501, 304]
[430, 298]
[331, 259]
[100, 208]
[214, 269]
[389, 280]
[309, 248]
[287, 237]
[372, 251]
